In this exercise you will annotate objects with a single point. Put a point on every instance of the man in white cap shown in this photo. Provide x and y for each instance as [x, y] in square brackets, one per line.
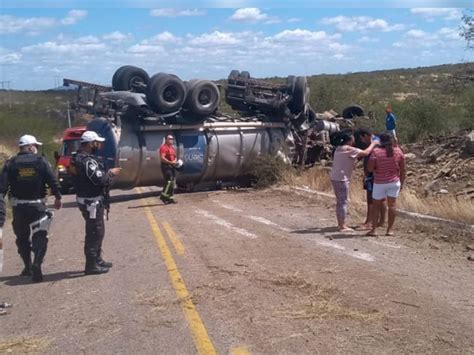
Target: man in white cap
[91, 179]
[25, 177]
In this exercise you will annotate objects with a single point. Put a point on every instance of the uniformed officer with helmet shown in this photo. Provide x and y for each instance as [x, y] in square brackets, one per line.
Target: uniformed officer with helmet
[91, 179]
[25, 177]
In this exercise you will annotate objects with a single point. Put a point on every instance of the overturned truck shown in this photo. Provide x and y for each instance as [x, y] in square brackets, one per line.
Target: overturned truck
[137, 112]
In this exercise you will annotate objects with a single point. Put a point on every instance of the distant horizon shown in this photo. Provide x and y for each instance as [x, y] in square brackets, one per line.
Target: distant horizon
[43, 44]
[310, 75]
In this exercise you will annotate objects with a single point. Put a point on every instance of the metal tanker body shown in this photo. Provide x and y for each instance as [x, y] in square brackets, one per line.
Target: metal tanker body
[210, 151]
[137, 112]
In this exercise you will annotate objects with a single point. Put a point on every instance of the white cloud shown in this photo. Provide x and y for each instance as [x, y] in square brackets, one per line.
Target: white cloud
[165, 37]
[9, 57]
[170, 12]
[360, 23]
[117, 36]
[430, 13]
[73, 17]
[215, 38]
[301, 35]
[443, 38]
[146, 49]
[35, 25]
[252, 15]
[367, 39]
[293, 19]
[88, 40]
[71, 49]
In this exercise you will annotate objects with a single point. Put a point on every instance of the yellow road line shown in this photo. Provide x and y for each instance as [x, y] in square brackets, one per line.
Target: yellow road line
[241, 350]
[201, 338]
[178, 246]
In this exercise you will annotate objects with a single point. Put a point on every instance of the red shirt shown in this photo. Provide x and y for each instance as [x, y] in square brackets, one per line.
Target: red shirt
[168, 151]
[387, 169]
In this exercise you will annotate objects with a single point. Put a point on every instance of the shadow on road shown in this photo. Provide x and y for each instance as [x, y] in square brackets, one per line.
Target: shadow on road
[17, 280]
[316, 230]
[120, 198]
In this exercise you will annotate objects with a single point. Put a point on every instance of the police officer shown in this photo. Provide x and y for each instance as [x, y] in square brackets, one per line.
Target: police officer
[26, 176]
[91, 180]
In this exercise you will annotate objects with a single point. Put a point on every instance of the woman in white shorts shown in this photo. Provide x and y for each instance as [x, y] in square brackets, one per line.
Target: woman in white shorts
[387, 162]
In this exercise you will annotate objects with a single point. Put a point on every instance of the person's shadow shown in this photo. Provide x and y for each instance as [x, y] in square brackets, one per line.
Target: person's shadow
[17, 280]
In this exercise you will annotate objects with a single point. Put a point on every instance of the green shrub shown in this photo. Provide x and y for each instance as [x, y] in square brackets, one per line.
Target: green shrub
[267, 170]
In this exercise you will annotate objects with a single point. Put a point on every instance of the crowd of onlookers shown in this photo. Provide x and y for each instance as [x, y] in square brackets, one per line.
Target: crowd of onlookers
[384, 174]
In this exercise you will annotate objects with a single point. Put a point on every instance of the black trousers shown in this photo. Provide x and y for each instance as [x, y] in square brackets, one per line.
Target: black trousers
[95, 231]
[23, 215]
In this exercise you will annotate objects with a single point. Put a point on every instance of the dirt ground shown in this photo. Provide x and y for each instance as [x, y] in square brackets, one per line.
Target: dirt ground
[236, 272]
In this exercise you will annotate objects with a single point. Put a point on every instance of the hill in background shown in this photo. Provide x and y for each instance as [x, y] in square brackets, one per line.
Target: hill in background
[427, 101]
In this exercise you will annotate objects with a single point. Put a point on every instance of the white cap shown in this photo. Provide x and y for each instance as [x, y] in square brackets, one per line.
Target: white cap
[27, 140]
[91, 136]
[179, 163]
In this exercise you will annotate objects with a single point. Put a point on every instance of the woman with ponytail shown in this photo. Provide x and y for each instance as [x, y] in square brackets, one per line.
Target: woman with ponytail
[345, 156]
[387, 162]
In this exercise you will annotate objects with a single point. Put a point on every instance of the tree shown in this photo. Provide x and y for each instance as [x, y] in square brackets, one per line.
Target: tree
[467, 30]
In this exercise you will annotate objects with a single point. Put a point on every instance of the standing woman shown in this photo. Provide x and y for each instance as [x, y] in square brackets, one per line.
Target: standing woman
[387, 162]
[345, 156]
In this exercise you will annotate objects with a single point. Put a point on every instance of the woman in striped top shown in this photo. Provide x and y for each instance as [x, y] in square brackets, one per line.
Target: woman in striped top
[387, 162]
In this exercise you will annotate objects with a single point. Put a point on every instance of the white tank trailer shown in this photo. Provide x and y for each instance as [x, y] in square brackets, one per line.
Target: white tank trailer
[137, 112]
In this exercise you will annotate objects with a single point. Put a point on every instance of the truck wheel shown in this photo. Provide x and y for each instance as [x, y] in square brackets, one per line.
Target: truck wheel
[290, 81]
[234, 73]
[300, 95]
[245, 75]
[165, 93]
[202, 98]
[130, 78]
[353, 111]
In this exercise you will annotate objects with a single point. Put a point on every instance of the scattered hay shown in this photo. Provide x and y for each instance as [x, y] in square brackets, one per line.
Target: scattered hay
[327, 308]
[155, 300]
[24, 345]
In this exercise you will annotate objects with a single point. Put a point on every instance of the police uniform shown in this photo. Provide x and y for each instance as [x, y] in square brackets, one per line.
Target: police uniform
[26, 177]
[91, 180]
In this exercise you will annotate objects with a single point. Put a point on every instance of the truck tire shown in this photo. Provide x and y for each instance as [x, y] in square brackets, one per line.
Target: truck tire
[202, 97]
[165, 93]
[117, 74]
[130, 78]
[300, 95]
[245, 75]
[290, 81]
[234, 73]
[353, 111]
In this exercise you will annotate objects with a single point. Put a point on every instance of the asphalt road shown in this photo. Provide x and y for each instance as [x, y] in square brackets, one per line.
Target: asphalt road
[238, 272]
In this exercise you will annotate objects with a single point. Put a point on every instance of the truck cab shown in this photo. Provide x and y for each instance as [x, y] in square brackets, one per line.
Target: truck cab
[70, 143]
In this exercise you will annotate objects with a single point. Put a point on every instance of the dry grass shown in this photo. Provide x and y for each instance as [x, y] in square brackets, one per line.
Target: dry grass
[323, 309]
[317, 302]
[444, 207]
[23, 345]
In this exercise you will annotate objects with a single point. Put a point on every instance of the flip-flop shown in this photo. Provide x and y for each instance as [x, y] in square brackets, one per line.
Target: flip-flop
[371, 234]
[362, 228]
[391, 234]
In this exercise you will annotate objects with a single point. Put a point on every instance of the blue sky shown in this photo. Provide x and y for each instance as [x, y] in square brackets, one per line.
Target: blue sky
[45, 41]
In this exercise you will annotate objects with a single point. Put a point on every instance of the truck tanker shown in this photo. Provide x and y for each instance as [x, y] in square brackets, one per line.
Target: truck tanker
[136, 113]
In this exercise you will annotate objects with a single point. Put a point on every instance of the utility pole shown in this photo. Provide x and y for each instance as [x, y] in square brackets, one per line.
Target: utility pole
[6, 85]
[68, 115]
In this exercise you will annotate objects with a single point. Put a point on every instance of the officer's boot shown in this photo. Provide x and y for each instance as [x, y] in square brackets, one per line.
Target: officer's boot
[36, 267]
[101, 261]
[26, 257]
[92, 266]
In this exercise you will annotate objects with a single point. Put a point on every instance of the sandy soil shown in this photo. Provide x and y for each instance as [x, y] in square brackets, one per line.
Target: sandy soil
[242, 272]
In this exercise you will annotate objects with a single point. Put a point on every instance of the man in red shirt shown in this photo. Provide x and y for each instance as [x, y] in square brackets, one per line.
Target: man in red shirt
[168, 160]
